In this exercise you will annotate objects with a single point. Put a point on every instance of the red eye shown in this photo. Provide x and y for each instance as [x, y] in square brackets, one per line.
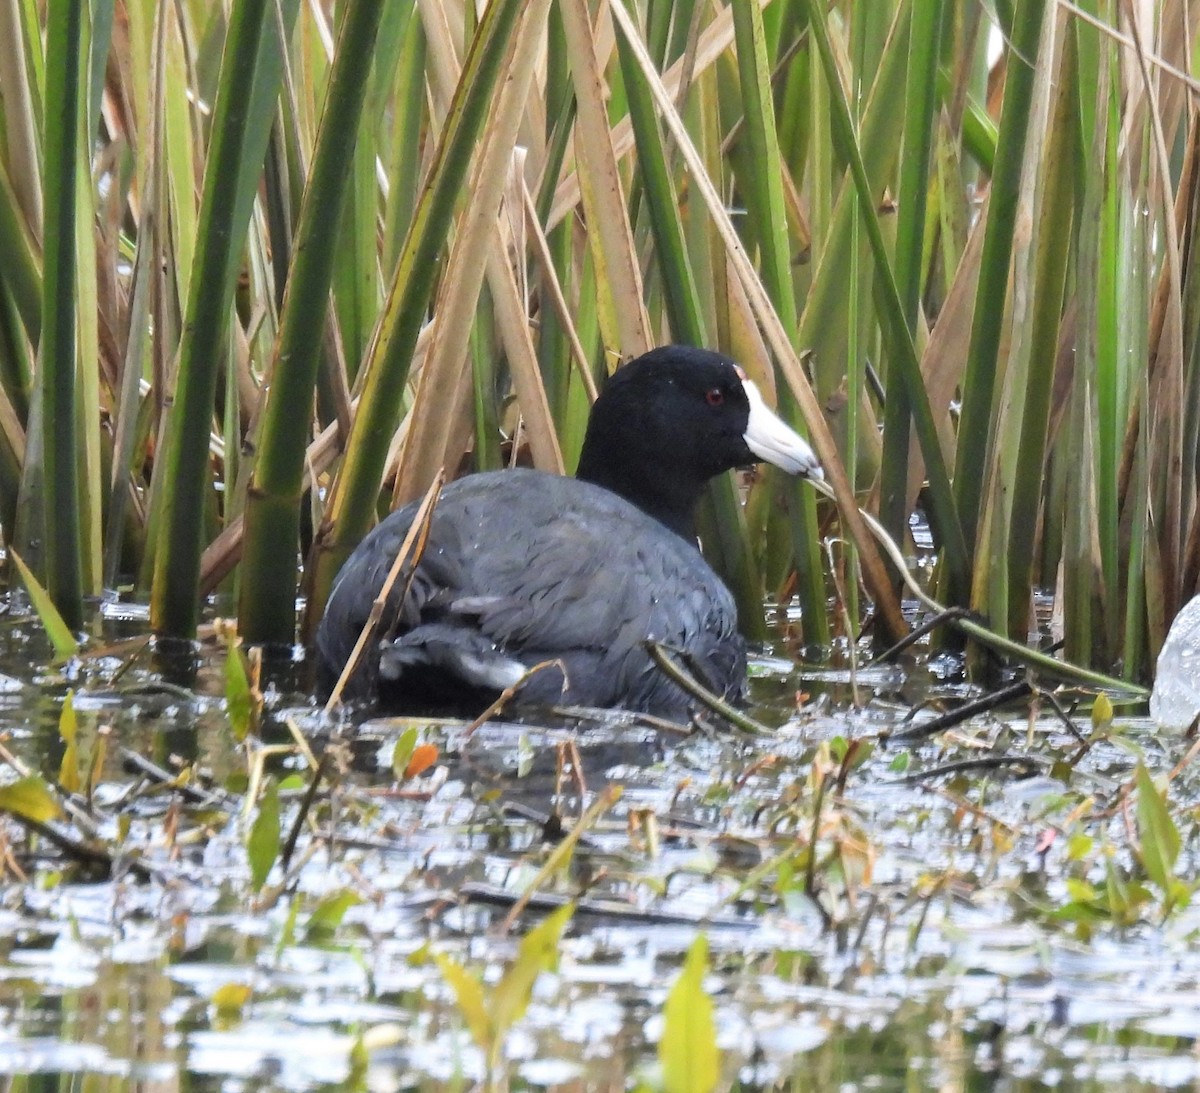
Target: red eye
[714, 397]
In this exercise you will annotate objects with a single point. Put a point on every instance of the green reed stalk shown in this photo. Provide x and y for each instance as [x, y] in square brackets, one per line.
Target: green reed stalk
[267, 595]
[56, 377]
[898, 339]
[251, 70]
[724, 536]
[356, 488]
[919, 116]
[980, 380]
[763, 184]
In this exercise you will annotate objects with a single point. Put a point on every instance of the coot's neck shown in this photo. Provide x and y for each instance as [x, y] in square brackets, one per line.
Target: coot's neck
[661, 492]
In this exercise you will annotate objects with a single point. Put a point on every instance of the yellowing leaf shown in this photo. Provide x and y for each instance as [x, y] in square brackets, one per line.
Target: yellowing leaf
[68, 724]
[231, 998]
[30, 798]
[468, 992]
[1102, 711]
[68, 728]
[688, 1051]
[99, 751]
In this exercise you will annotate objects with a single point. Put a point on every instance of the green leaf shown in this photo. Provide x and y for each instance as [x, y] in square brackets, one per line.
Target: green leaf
[231, 998]
[1102, 712]
[68, 769]
[403, 751]
[688, 1051]
[538, 953]
[468, 992]
[57, 630]
[1079, 846]
[1157, 831]
[239, 698]
[526, 753]
[262, 844]
[329, 913]
[30, 798]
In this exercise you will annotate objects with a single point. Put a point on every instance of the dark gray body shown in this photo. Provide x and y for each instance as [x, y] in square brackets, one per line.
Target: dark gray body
[524, 567]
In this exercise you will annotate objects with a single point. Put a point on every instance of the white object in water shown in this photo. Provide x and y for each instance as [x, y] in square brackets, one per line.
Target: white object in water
[1175, 701]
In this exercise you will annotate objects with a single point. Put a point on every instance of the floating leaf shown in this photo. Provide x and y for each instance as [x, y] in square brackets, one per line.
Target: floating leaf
[1157, 831]
[59, 633]
[385, 1035]
[403, 752]
[422, 759]
[329, 913]
[68, 729]
[468, 992]
[30, 798]
[262, 844]
[688, 1051]
[231, 998]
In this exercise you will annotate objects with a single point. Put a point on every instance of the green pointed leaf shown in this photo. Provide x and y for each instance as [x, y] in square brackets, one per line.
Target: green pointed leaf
[688, 1050]
[1157, 831]
[239, 698]
[538, 953]
[468, 992]
[57, 630]
[262, 844]
[30, 798]
[68, 769]
[403, 751]
[1102, 712]
[329, 914]
[95, 765]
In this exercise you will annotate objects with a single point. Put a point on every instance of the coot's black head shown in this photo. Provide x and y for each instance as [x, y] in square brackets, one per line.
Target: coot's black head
[674, 418]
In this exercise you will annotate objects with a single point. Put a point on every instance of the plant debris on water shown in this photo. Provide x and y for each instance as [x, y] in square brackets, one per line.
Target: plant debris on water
[229, 890]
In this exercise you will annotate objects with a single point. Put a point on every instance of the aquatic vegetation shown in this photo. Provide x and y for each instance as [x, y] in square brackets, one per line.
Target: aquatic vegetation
[1031, 866]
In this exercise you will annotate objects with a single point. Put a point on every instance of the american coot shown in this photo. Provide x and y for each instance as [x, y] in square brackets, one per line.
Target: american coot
[523, 567]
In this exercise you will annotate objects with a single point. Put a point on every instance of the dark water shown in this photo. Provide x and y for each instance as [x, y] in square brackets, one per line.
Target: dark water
[966, 928]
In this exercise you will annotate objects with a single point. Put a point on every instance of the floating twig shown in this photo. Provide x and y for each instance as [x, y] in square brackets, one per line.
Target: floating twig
[1021, 689]
[997, 642]
[495, 896]
[206, 798]
[969, 766]
[84, 853]
[661, 655]
[506, 696]
[561, 852]
[942, 618]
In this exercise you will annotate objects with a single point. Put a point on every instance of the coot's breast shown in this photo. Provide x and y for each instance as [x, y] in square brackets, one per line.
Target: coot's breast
[523, 567]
